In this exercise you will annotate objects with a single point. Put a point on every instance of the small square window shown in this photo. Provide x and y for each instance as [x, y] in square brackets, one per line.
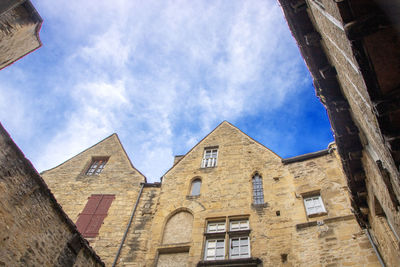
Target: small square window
[210, 158]
[96, 166]
[239, 225]
[314, 205]
[216, 227]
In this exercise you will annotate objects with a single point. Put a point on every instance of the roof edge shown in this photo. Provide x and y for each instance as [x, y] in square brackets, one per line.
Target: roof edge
[307, 156]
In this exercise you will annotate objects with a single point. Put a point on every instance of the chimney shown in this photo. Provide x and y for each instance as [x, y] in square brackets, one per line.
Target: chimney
[177, 158]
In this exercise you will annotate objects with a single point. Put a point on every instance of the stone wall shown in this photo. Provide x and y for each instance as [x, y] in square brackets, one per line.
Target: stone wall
[19, 31]
[34, 230]
[381, 48]
[136, 247]
[72, 188]
[281, 232]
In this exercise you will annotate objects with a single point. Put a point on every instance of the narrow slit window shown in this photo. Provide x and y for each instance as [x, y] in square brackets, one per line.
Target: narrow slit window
[258, 191]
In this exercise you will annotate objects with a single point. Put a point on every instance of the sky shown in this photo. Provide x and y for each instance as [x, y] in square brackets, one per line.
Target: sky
[161, 74]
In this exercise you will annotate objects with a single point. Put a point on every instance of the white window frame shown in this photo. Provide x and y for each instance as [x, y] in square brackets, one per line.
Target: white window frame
[220, 227]
[240, 255]
[209, 161]
[242, 225]
[213, 249]
[314, 205]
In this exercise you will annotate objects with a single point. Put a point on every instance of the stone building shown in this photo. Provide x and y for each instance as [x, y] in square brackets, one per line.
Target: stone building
[352, 49]
[100, 177]
[19, 30]
[229, 201]
[34, 230]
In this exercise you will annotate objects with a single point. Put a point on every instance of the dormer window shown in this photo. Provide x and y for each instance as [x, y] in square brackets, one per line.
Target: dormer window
[96, 166]
[210, 158]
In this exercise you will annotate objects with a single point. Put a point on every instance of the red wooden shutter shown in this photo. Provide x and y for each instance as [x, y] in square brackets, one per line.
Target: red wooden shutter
[92, 216]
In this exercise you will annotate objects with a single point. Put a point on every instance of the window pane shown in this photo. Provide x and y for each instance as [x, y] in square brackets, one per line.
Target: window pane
[196, 185]
[220, 251]
[235, 242]
[243, 241]
[211, 252]
[235, 251]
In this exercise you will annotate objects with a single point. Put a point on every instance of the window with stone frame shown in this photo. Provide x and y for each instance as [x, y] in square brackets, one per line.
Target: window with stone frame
[195, 188]
[96, 166]
[210, 157]
[215, 249]
[239, 247]
[314, 205]
[236, 239]
[258, 191]
[216, 227]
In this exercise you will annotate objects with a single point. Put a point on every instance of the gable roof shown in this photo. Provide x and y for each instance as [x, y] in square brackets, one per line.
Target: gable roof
[109, 137]
[218, 126]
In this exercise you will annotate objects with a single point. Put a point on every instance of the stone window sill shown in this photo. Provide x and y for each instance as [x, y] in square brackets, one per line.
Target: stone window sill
[231, 263]
[260, 206]
[317, 214]
[192, 197]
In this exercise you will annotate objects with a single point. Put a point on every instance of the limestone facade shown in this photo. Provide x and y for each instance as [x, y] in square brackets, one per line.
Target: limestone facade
[352, 49]
[72, 188]
[172, 226]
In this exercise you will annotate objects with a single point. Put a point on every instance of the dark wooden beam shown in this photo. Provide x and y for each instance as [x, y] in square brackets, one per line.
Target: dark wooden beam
[365, 26]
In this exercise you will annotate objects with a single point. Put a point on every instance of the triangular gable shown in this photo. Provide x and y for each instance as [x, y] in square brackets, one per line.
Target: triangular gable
[98, 143]
[219, 125]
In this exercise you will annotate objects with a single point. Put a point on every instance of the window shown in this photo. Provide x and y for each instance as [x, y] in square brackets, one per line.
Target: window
[96, 166]
[239, 225]
[216, 227]
[210, 158]
[258, 192]
[92, 216]
[196, 185]
[215, 249]
[314, 205]
[239, 247]
[237, 236]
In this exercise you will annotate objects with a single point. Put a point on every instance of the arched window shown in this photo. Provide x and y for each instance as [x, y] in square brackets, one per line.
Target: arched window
[258, 192]
[196, 185]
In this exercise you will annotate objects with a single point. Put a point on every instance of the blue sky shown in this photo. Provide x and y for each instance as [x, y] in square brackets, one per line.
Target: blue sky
[162, 74]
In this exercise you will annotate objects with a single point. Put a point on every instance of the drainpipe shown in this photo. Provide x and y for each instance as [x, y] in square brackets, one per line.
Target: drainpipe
[128, 226]
[374, 247]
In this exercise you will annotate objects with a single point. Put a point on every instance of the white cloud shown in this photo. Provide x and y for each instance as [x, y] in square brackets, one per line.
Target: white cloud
[143, 68]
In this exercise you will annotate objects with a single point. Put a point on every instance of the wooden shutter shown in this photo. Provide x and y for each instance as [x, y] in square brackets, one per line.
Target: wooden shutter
[92, 216]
